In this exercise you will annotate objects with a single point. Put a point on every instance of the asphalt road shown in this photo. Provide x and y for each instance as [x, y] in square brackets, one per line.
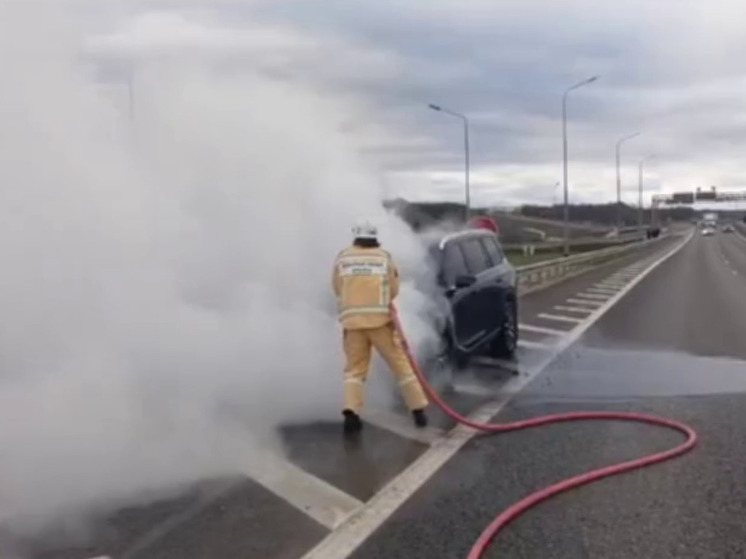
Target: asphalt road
[619, 363]
[673, 346]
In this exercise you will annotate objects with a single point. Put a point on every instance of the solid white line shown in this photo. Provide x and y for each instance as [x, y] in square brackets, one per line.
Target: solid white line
[320, 500]
[596, 296]
[343, 541]
[560, 318]
[573, 309]
[541, 330]
[401, 425]
[585, 302]
[534, 345]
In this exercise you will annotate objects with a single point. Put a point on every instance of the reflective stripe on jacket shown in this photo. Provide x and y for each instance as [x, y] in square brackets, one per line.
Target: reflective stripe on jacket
[365, 281]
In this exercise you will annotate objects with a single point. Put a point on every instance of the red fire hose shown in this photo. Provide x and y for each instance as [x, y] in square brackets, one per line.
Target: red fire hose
[518, 508]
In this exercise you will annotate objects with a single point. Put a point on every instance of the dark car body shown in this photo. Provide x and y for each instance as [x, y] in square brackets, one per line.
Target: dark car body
[480, 286]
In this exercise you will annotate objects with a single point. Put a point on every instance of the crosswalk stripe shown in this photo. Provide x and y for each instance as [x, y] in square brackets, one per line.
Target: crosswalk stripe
[612, 284]
[541, 330]
[511, 366]
[596, 296]
[602, 289]
[585, 302]
[475, 390]
[326, 504]
[401, 425]
[561, 318]
[573, 309]
[534, 345]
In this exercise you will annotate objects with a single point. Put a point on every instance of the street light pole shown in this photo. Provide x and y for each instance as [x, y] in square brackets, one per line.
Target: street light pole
[640, 189]
[566, 228]
[467, 209]
[619, 178]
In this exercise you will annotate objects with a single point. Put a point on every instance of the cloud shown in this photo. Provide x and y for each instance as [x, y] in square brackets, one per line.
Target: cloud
[671, 68]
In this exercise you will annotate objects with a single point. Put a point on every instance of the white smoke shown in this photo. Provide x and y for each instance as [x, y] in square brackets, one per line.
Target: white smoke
[166, 278]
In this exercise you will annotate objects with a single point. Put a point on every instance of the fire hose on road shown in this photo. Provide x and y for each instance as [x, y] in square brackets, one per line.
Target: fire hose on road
[518, 508]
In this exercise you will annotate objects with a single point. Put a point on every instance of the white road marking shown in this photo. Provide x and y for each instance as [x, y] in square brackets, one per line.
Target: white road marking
[596, 296]
[620, 281]
[474, 390]
[401, 425]
[560, 318]
[511, 366]
[585, 302]
[627, 276]
[534, 345]
[343, 541]
[541, 330]
[320, 500]
[601, 289]
[573, 309]
[611, 285]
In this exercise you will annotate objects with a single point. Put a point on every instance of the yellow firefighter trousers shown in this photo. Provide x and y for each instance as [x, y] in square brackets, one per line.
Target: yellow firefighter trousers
[357, 346]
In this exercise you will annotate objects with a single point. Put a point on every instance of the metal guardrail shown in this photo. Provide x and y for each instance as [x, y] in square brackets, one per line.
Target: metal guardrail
[535, 276]
[544, 246]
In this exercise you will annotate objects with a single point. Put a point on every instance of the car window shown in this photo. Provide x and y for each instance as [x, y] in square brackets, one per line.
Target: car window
[476, 257]
[454, 264]
[493, 250]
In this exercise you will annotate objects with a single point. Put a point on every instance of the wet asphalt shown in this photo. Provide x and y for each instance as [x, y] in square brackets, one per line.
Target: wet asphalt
[673, 346]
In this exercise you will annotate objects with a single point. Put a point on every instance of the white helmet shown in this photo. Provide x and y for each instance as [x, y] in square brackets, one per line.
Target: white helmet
[365, 230]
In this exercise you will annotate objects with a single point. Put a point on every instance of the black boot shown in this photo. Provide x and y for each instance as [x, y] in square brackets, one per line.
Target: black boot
[352, 423]
[420, 419]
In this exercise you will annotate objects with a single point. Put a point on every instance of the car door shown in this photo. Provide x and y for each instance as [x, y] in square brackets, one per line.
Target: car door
[497, 283]
[464, 325]
[482, 292]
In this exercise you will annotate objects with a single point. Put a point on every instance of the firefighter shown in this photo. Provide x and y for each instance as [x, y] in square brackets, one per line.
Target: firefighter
[366, 281]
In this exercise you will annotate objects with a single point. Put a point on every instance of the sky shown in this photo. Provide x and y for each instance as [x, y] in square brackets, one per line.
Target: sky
[674, 70]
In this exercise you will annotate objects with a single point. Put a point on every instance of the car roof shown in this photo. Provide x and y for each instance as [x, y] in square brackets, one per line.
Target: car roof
[462, 235]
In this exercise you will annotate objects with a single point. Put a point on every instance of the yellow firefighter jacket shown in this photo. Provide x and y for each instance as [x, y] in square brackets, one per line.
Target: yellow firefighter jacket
[365, 281]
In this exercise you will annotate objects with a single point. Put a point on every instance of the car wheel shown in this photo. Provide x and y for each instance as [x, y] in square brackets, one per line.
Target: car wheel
[505, 344]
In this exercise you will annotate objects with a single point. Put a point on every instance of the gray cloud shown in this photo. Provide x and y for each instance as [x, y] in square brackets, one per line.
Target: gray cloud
[674, 69]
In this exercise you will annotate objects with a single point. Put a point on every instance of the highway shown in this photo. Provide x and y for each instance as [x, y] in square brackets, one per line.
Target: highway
[661, 331]
[672, 346]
